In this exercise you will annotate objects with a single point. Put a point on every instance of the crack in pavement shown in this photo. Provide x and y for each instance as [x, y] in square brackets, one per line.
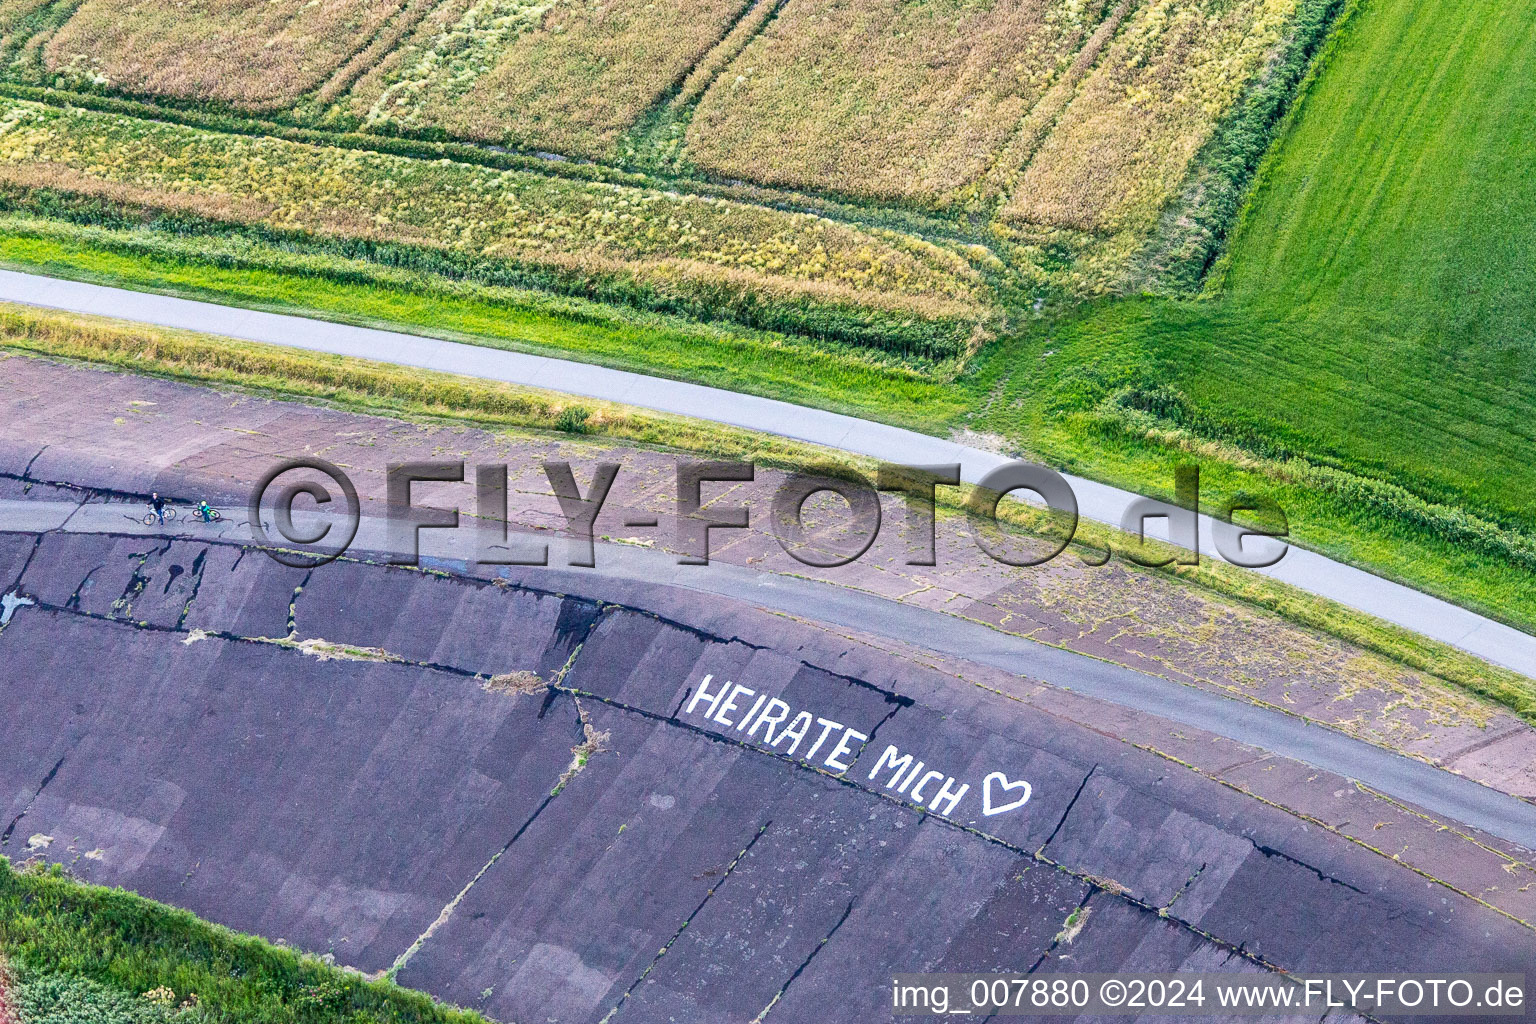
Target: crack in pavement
[447, 912]
[85, 500]
[198, 564]
[293, 603]
[1056, 941]
[5, 837]
[875, 732]
[1185, 887]
[26, 474]
[1270, 851]
[724, 877]
[37, 542]
[137, 581]
[73, 603]
[804, 964]
[95, 492]
[1070, 804]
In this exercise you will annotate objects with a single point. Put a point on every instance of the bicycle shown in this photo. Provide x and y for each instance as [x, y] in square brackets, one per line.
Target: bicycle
[153, 518]
[214, 515]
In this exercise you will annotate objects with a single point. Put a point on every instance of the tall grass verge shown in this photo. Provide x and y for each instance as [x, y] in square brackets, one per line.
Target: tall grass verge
[1193, 231]
[125, 956]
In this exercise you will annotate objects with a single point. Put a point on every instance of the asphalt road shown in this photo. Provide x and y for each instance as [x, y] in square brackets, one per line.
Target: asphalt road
[1415, 782]
[1392, 602]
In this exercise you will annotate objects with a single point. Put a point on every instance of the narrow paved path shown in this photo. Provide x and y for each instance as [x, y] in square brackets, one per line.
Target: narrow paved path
[1437, 791]
[1393, 602]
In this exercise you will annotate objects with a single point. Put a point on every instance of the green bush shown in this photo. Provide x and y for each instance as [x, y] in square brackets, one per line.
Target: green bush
[573, 420]
[70, 999]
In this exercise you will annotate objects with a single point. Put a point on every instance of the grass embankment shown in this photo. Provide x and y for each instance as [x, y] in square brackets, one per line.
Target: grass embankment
[1364, 351]
[382, 388]
[87, 953]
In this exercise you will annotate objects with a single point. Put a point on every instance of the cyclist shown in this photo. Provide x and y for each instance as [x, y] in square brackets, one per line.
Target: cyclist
[158, 504]
[205, 511]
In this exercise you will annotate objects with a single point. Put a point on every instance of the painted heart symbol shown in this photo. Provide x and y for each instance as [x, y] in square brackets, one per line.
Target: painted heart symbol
[990, 806]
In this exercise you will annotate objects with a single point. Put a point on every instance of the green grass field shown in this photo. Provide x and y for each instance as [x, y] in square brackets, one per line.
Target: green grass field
[1392, 246]
[1371, 323]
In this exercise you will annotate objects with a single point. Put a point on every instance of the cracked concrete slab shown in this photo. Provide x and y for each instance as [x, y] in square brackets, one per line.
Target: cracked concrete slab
[657, 817]
[346, 805]
[294, 786]
[343, 805]
[1146, 844]
[947, 905]
[477, 627]
[826, 846]
[247, 593]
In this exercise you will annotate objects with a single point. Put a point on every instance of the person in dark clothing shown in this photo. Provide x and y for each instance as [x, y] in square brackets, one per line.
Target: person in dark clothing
[158, 504]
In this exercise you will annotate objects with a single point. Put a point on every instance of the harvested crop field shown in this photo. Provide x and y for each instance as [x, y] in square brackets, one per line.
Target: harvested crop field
[569, 77]
[956, 158]
[885, 99]
[1120, 149]
[1054, 114]
[256, 55]
[701, 254]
